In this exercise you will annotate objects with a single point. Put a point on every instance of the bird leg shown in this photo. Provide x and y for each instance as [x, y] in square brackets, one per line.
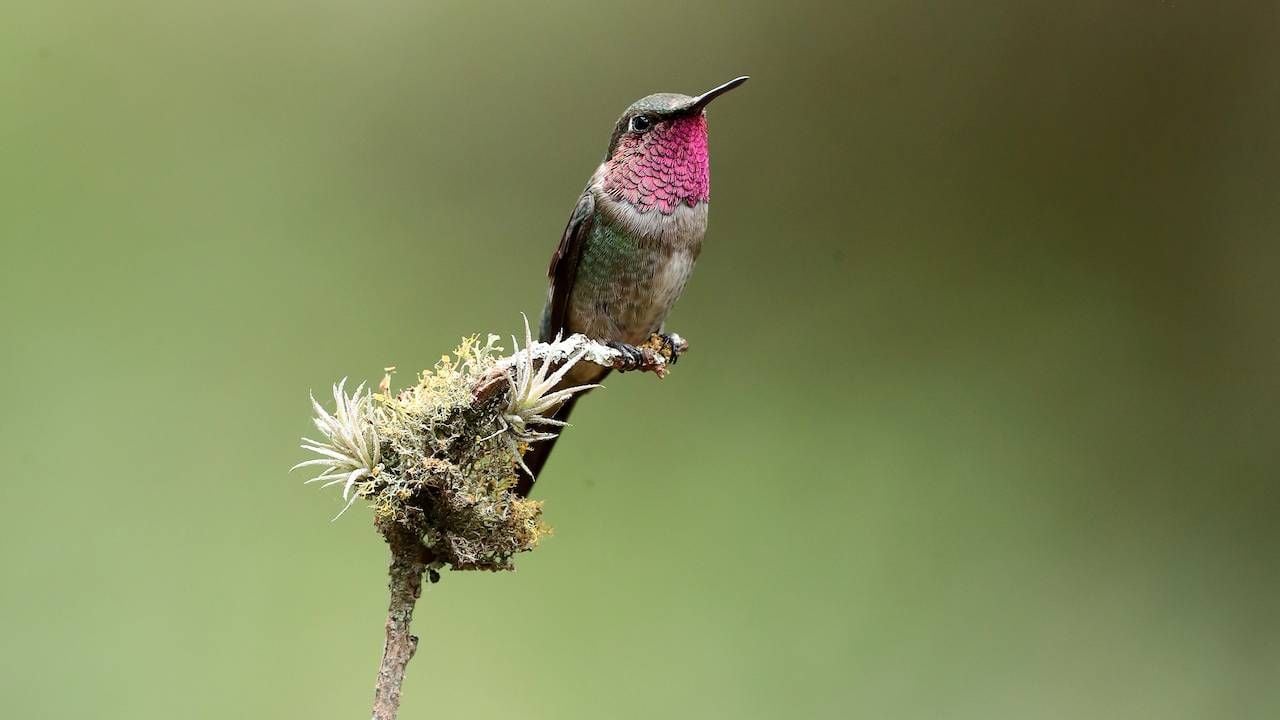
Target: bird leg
[669, 346]
[654, 354]
[633, 358]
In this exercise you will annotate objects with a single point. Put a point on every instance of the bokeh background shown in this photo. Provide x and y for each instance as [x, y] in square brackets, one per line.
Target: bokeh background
[980, 421]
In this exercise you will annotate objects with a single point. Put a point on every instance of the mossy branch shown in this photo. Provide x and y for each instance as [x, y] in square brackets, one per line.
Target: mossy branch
[437, 463]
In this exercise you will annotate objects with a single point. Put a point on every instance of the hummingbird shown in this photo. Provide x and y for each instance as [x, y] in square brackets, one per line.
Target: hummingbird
[632, 239]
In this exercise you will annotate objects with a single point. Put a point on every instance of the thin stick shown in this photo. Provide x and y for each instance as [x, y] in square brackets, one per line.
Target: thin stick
[409, 560]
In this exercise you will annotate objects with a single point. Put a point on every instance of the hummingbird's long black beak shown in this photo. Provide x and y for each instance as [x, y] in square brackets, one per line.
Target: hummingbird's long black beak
[715, 92]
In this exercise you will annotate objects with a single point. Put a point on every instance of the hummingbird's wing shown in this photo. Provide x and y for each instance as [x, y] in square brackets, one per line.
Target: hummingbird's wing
[564, 266]
[563, 272]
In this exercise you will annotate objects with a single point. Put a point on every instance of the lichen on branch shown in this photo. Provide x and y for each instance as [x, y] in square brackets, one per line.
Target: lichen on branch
[439, 459]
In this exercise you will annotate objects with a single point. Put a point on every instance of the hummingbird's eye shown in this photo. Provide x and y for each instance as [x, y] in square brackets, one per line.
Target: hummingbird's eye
[640, 123]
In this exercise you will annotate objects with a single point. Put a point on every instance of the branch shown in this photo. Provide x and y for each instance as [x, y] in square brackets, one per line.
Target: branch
[436, 463]
[656, 355]
[409, 560]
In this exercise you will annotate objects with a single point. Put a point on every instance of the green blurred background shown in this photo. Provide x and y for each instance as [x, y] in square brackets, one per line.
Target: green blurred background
[981, 418]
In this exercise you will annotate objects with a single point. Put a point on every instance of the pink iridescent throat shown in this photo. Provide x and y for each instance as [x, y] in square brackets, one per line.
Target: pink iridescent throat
[663, 168]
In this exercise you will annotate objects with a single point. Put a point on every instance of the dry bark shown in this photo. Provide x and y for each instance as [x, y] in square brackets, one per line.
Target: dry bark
[409, 560]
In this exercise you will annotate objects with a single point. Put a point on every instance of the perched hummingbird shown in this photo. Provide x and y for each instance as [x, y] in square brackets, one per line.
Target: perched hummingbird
[633, 237]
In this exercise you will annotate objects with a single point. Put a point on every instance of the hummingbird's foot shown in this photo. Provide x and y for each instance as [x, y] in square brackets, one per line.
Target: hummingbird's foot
[632, 357]
[670, 346]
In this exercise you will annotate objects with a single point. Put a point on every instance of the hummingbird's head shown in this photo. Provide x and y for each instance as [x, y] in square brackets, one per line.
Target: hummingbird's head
[657, 156]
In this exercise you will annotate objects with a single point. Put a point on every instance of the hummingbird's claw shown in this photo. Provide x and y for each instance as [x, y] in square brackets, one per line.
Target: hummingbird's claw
[670, 346]
[632, 356]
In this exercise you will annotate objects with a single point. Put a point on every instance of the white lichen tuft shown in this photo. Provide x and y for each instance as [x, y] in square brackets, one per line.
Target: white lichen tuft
[351, 450]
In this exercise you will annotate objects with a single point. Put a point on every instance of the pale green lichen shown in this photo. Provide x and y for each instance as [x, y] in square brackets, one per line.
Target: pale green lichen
[440, 458]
